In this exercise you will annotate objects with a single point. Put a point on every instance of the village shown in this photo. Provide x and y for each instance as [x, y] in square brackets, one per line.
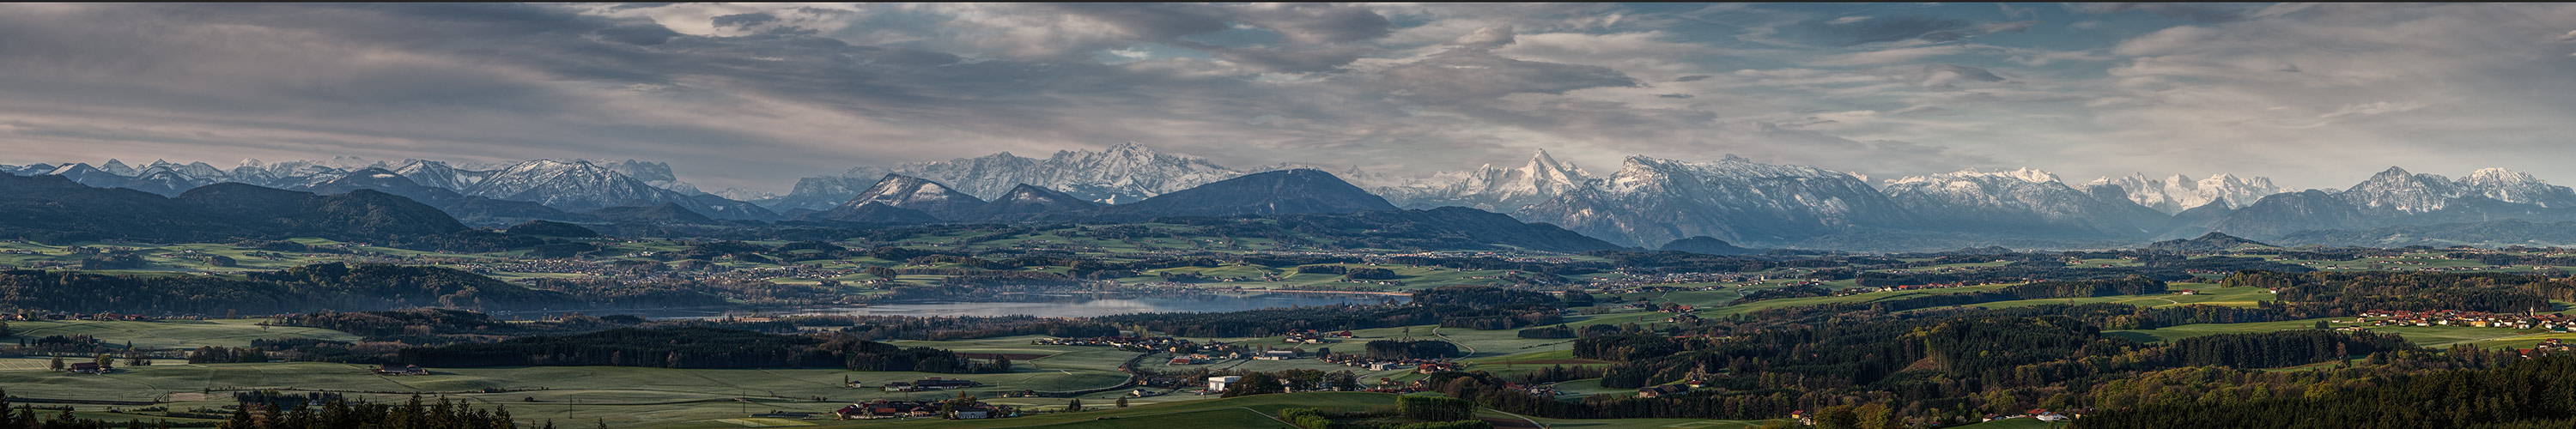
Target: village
[2551, 322]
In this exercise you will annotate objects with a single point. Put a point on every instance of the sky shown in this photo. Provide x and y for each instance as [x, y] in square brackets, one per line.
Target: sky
[753, 96]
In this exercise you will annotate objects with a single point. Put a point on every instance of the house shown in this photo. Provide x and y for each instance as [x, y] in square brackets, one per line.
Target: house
[1660, 391]
[400, 369]
[1218, 384]
[1276, 355]
[87, 368]
[971, 413]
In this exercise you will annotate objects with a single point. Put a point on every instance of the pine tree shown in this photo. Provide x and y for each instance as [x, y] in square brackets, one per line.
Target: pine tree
[1122, 402]
[1075, 405]
[240, 420]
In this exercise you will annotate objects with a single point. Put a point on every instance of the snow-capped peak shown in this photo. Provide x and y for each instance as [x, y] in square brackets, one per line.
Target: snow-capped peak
[2021, 174]
[2175, 193]
[1125, 172]
[2514, 187]
[116, 167]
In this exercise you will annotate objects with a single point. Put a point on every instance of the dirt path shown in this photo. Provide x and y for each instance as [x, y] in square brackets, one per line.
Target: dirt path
[1471, 350]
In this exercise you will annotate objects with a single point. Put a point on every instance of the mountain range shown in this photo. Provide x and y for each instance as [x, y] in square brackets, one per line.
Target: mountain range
[562, 190]
[1646, 202]
[54, 208]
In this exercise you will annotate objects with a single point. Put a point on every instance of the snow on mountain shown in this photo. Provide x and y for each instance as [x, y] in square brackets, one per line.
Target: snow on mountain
[203, 171]
[284, 175]
[2398, 197]
[439, 174]
[2021, 201]
[657, 174]
[83, 173]
[579, 185]
[1491, 188]
[825, 192]
[2396, 191]
[739, 194]
[2177, 193]
[117, 168]
[1352, 174]
[1026, 200]
[32, 169]
[1127, 172]
[575, 185]
[910, 193]
[1652, 201]
[2515, 187]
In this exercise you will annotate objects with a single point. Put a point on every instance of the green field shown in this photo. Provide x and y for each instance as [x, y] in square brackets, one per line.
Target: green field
[621, 396]
[1246, 412]
[168, 334]
[1866, 297]
[2205, 294]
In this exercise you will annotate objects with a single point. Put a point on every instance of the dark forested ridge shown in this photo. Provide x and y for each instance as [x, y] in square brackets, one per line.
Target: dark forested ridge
[2534, 393]
[52, 208]
[332, 286]
[695, 348]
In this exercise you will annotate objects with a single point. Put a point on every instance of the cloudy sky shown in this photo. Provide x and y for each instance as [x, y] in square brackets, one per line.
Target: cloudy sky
[755, 95]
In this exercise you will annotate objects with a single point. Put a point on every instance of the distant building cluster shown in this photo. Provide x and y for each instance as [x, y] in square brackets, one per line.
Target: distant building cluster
[2552, 322]
[888, 409]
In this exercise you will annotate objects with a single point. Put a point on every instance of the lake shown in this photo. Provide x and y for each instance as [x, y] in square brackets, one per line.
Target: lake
[1069, 306]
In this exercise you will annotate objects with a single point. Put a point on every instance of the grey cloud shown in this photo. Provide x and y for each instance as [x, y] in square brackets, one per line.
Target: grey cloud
[743, 21]
[1314, 37]
[1885, 29]
[2018, 12]
[1317, 23]
[1486, 38]
[758, 107]
[1939, 75]
[1467, 75]
[2201, 12]
[1889, 158]
[1150, 21]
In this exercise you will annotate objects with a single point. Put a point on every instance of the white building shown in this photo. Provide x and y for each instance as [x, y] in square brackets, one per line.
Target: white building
[1218, 384]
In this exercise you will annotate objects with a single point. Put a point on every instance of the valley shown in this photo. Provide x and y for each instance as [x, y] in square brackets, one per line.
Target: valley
[1347, 215]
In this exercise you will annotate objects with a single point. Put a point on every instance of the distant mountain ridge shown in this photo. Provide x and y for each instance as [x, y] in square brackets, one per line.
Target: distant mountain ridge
[1647, 201]
[2177, 193]
[2397, 197]
[559, 188]
[54, 208]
